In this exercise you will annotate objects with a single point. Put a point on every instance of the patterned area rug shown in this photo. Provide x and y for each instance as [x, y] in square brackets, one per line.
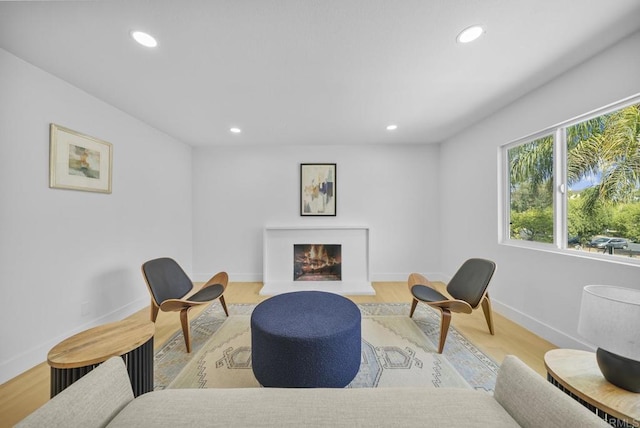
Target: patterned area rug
[396, 351]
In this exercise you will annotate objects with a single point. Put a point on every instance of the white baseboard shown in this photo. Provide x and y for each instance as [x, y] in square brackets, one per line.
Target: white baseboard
[31, 358]
[547, 332]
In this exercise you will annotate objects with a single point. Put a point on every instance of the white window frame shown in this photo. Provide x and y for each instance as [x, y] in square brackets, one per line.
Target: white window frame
[560, 205]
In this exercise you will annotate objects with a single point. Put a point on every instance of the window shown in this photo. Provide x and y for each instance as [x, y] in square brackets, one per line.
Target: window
[576, 186]
[531, 190]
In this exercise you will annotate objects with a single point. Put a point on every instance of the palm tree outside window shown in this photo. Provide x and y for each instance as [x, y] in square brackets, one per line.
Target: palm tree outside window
[577, 186]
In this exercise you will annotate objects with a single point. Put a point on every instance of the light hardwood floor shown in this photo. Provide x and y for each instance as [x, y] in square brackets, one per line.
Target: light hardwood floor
[25, 393]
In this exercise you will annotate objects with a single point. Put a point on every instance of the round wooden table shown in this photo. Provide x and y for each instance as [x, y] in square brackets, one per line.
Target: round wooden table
[79, 354]
[577, 373]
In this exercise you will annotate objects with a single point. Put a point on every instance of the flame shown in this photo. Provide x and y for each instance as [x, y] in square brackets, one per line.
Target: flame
[318, 256]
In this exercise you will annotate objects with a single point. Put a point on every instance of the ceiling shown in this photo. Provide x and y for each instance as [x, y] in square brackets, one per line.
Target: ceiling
[311, 71]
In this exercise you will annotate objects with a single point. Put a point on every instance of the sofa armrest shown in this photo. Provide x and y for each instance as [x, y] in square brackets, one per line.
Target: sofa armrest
[534, 402]
[92, 401]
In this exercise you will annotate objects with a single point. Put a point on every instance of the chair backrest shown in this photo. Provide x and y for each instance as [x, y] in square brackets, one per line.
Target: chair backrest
[471, 281]
[166, 279]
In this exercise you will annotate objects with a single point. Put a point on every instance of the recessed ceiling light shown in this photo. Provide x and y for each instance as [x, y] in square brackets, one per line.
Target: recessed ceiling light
[235, 130]
[392, 127]
[470, 34]
[144, 39]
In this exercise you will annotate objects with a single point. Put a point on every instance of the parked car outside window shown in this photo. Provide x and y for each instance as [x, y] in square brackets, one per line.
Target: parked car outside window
[608, 242]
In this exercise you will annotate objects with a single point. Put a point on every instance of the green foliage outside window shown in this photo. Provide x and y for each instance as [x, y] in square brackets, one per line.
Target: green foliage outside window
[603, 164]
[531, 190]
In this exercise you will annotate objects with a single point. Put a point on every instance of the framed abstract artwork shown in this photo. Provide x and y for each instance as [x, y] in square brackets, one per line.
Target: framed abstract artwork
[78, 161]
[318, 189]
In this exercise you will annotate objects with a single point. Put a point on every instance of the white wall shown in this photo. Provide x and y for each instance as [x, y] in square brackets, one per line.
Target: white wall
[391, 189]
[540, 290]
[60, 248]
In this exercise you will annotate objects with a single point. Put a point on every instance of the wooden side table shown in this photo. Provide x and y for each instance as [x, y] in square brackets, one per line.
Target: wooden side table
[577, 373]
[79, 354]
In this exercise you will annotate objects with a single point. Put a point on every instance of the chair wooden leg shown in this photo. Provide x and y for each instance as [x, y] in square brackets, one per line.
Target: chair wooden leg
[413, 307]
[186, 327]
[488, 314]
[154, 311]
[444, 328]
[224, 305]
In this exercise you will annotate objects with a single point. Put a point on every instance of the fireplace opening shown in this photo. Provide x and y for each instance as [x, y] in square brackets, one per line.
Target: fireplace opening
[317, 262]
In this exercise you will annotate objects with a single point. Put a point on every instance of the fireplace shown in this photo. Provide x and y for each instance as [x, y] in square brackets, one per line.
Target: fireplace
[317, 262]
[338, 255]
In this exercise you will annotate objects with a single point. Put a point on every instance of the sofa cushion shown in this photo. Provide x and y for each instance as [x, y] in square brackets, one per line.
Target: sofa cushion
[527, 397]
[92, 401]
[261, 407]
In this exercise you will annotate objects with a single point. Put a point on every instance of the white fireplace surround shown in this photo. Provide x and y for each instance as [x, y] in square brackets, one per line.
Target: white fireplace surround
[278, 242]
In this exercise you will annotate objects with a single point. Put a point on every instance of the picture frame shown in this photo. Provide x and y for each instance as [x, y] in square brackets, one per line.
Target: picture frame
[78, 161]
[318, 189]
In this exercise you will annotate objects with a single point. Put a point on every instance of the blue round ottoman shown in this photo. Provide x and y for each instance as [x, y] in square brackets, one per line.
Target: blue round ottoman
[306, 339]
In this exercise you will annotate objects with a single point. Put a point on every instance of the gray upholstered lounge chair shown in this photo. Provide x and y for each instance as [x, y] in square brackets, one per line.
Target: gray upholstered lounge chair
[467, 291]
[170, 290]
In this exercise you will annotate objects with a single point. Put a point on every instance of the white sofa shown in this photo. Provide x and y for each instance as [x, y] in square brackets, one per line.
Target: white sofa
[104, 398]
